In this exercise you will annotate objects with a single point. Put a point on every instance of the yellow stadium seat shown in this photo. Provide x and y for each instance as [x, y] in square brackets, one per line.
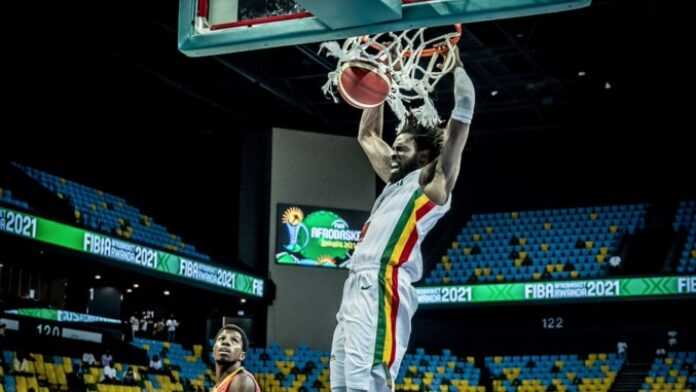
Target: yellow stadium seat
[289, 352]
[669, 361]
[547, 226]
[537, 275]
[489, 229]
[450, 365]
[467, 251]
[613, 229]
[523, 241]
[471, 360]
[445, 279]
[589, 244]
[498, 360]
[476, 237]
[593, 215]
[67, 365]
[515, 215]
[499, 278]
[440, 369]
[518, 262]
[574, 274]
[550, 268]
[477, 271]
[544, 247]
[455, 245]
[559, 267]
[600, 258]
[51, 374]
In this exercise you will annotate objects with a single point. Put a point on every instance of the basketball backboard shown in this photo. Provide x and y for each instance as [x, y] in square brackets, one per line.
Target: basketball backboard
[212, 27]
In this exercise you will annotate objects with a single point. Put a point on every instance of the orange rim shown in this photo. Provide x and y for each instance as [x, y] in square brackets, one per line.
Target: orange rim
[430, 51]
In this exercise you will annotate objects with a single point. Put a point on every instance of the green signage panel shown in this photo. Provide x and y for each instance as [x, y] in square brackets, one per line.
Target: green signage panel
[561, 290]
[138, 256]
[61, 316]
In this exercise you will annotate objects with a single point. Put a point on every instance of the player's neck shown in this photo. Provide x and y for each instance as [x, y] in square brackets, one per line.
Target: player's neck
[224, 370]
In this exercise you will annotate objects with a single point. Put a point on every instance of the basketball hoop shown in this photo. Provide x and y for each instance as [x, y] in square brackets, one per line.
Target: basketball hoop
[401, 69]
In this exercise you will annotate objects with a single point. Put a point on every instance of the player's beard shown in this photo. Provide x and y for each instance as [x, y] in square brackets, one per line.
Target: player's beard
[404, 169]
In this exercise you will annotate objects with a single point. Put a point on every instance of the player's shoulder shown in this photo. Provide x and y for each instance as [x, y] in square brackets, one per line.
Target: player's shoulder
[243, 382]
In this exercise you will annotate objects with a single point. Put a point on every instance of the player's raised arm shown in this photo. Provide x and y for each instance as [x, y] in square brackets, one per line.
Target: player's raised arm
[370, 139]
[448, 164]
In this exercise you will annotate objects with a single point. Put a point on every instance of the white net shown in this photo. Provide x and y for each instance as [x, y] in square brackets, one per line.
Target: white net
[401, 57]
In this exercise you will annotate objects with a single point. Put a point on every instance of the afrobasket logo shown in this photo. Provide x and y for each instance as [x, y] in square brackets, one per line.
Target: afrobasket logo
[319, 238]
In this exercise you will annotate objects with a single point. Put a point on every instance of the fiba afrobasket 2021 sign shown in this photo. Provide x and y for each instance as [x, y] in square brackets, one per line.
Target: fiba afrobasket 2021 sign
[316, 236]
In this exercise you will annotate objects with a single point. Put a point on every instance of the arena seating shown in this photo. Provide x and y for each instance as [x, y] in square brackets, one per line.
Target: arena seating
[443, 372]
[537, 245]
[291, 369]
[7, 198]
[303, 369]
[97, 210]
[51, 373]
[676, 372]
[189, 362]
[685, 219]
[538, 373]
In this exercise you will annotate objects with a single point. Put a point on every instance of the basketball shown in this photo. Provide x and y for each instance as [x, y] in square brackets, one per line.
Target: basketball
[362, 86]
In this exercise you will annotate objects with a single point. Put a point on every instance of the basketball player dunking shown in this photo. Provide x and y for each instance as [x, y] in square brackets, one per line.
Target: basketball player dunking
[229, 352]
[420, 169]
